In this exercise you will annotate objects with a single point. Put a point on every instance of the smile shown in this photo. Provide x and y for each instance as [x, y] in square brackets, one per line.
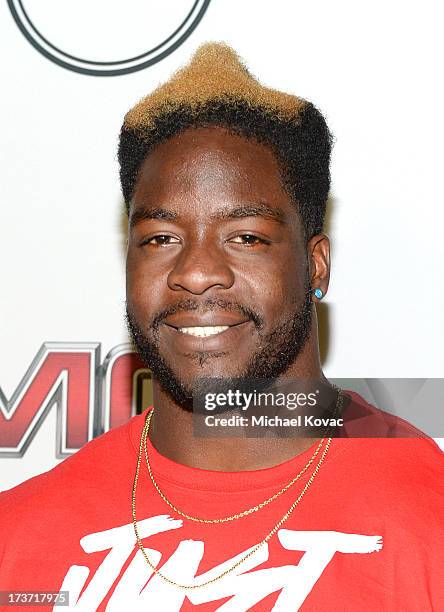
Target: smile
[187, 336]
[203, 332]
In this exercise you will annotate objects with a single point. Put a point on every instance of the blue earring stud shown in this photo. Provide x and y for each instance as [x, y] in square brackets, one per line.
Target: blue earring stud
[318, 293]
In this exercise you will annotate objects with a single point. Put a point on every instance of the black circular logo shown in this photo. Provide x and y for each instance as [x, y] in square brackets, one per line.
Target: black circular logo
[92, 37]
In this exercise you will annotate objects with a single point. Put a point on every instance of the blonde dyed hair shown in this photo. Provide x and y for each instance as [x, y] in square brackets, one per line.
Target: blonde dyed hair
[215, 72]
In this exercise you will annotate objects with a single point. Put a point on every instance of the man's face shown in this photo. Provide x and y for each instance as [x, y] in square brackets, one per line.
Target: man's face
[217, 271]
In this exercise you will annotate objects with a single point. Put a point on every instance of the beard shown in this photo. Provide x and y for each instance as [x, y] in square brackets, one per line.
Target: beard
[276, 352]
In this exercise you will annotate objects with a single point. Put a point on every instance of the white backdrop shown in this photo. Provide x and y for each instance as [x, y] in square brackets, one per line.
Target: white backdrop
[373, 68]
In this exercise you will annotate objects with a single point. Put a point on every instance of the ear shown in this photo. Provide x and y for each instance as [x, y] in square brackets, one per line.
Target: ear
[318, 252]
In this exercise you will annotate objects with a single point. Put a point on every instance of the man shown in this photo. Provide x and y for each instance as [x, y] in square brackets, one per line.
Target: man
[226, 183]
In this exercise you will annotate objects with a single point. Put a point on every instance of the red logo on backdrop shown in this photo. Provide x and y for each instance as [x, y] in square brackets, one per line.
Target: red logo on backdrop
[89, 397]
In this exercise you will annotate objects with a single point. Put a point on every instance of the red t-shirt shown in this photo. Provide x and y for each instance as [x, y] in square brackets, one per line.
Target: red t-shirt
[367, 536]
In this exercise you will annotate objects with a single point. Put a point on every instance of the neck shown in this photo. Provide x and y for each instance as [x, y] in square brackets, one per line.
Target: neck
[171, 428]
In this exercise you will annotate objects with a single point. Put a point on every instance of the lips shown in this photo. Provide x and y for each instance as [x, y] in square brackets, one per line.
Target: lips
[204, 332]
[207, 320]
[190, 333]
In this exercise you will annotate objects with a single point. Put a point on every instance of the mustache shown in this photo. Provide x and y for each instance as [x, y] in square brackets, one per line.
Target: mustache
[191, 305]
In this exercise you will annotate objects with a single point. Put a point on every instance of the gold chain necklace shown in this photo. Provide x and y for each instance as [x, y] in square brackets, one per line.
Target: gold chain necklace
[255, 548]
[233, 517]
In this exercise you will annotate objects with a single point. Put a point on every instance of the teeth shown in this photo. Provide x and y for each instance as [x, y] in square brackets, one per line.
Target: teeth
[203, 331]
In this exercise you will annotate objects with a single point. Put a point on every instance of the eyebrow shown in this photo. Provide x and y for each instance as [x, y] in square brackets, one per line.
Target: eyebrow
[245, 210]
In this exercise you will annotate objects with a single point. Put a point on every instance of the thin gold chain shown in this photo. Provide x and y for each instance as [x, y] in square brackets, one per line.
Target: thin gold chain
[249, 510]
[245, 557]
[233, 517]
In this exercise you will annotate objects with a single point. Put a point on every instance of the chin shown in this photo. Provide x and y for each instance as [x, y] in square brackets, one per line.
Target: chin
[212, 365]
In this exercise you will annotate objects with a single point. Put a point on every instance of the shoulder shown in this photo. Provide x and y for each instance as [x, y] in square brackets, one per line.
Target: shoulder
[89, 488]
[387, 438]
[363, 420]
[395, 467]
[105, 454]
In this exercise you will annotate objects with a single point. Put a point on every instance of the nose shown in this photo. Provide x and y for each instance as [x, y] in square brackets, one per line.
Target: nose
[198, 268]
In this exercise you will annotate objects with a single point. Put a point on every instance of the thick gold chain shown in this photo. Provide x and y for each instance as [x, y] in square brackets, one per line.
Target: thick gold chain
[255, 548]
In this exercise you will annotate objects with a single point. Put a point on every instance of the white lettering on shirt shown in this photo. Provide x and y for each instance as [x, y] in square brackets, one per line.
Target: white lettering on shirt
[138, 589]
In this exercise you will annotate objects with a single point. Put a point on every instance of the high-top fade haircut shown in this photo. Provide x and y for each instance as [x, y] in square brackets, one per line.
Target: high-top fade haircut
[215, 88]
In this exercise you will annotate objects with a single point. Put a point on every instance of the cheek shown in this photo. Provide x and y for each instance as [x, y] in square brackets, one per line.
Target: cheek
[278, 301]
[274, 289]
[142, 291]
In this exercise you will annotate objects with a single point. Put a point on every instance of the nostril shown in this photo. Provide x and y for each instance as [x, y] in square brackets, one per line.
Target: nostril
[198, 280]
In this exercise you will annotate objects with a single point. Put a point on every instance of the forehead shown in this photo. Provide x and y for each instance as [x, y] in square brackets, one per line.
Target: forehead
[210, 166]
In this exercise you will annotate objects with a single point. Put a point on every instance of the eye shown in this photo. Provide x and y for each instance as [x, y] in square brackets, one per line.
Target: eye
[160, 240]
[248, 240]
